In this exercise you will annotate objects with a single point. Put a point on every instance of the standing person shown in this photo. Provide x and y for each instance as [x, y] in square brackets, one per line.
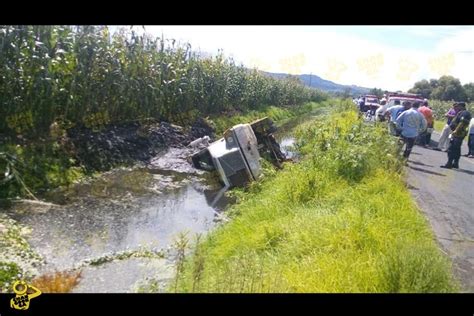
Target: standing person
[411, 123]
[425, 137]
[361, 105]
[470, 141]
[443, 139]
[458, 127]
[393, 112]
[379, 113]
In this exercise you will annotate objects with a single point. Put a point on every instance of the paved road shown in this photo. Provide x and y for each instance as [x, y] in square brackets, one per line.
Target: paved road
[446, 196]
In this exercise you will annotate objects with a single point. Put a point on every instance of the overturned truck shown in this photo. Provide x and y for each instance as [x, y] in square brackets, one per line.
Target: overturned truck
[236, 156]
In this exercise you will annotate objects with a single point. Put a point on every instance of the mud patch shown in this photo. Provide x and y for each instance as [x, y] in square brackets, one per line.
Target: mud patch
[130, 143]
[176, 160]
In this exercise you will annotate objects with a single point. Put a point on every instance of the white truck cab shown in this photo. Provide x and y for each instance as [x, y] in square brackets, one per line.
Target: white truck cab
[236, 156]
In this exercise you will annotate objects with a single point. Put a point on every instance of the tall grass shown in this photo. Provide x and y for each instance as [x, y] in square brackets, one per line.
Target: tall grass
[85, 76]
[341, 220]
[9, 272]
[54, 78]
[275, 113]
[57, 282]
[440, 108]
[439, 125]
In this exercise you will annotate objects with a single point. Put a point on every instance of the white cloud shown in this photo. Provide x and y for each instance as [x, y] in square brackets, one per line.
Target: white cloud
[335, 55]
[461, 46]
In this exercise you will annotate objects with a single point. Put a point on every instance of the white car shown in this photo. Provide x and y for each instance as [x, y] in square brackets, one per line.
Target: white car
[395, 101]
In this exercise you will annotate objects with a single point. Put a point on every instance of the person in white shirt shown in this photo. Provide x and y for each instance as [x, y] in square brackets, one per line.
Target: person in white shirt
[470, 141]
[444, 138]
[380, 112]
[361, 104]
[392, 114]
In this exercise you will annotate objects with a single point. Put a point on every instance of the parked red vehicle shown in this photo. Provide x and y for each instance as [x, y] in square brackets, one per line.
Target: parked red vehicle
[401, 97]
[372, 102]
[405, 96]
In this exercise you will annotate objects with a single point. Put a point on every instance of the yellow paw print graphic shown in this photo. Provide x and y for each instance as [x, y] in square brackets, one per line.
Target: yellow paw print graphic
[335, 68]
[293, 64]
[442, 64]
[371, 65]
[406, 69]
[259, 64]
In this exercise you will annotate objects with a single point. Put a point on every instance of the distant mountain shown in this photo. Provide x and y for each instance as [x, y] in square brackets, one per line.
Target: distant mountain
[323, 84]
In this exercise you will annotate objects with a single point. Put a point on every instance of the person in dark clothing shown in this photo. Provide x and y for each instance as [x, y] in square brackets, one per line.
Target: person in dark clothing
[459, 131]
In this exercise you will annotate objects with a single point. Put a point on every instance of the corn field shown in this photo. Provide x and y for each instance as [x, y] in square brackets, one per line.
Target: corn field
[440, 108]
[85, 76]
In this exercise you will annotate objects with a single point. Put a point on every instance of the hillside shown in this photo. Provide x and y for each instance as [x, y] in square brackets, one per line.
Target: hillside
[322, 84]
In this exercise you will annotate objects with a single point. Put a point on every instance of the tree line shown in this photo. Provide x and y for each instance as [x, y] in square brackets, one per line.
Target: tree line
[446, 88]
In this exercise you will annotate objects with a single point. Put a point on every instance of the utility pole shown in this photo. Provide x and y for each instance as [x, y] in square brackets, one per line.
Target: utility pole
[310, 78]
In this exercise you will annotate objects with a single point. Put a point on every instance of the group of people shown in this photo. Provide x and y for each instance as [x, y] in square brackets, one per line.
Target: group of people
[459, 124]
[408, 123]
[413, 122]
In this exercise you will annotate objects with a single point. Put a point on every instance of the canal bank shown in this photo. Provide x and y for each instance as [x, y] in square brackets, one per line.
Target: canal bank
[119, 229]
[340, 220]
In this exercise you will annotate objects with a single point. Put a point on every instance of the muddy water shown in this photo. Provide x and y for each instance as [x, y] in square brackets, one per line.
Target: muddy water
[285, 134]
[136, 209]
[143, 208]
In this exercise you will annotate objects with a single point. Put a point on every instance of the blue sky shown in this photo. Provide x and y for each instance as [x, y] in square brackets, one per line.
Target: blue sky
[416, 37]
[388, 57]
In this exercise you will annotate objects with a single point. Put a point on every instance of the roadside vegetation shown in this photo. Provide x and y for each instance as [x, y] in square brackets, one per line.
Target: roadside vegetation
[54, 79]
[57, 78]
[439, 109]
[17, 259]
[276, 114]
[86, 76]
[341, 220]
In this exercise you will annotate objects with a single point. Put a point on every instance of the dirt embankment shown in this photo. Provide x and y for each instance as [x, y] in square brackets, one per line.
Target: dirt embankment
[132, 142]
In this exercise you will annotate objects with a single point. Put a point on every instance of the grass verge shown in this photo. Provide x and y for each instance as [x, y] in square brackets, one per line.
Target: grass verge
[439, 125]
[341, 220]
[223, 122]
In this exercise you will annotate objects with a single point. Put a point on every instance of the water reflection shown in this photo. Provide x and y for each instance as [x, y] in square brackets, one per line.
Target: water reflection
[95, 223]
[127, 209]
